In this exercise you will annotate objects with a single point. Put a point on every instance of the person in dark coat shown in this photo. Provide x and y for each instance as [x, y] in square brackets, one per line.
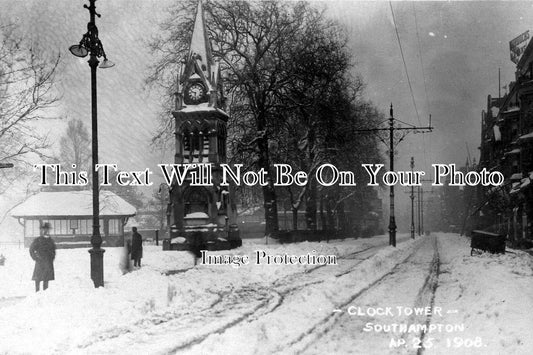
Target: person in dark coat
[43, 251]
[136, 247]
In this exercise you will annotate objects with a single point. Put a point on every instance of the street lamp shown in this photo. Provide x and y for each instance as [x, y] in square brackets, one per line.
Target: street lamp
[90, 45]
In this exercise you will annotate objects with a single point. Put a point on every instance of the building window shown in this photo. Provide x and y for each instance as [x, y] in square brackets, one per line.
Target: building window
[63, 226]
[195, 147]
[114, 226]
[186, 147]
[33, 228]
[83, 226]
[205, 148]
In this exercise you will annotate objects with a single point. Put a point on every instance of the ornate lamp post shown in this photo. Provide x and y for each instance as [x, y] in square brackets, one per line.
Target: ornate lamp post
[90, 45]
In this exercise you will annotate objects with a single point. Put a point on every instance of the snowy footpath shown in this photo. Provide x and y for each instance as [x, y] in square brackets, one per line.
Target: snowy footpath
[428, 295]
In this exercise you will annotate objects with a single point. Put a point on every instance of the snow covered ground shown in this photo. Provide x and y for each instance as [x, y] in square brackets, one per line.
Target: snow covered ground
[169, 306]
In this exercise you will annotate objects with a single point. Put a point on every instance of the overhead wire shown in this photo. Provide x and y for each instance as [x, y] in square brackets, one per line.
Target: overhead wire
[421, 59]
[407, 73]
[424, 79]
[404, 63]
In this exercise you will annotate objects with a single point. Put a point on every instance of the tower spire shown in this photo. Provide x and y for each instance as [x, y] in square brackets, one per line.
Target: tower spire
[200, 45]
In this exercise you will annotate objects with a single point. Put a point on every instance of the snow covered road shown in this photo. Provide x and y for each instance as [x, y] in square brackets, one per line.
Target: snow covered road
[409, 284]
[356, 307]
[252, 305]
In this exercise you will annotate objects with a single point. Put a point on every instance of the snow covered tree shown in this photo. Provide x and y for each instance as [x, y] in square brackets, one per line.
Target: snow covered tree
[158, 205]
[284, 64]
[320, 109]
[252, 40]
[26, 91]
[129, 193]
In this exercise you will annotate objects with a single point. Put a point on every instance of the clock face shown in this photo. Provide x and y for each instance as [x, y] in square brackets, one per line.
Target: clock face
[195, 93]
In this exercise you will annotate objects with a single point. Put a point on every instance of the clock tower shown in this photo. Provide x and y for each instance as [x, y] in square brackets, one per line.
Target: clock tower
[201, 215]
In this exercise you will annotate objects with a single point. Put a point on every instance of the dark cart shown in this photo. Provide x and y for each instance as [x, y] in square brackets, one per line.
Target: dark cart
[486, 241]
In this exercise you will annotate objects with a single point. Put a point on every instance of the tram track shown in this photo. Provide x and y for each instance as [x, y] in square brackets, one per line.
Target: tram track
[294, 288]
[302, 344]
[261, 299]
[430, 288]
[282, 294]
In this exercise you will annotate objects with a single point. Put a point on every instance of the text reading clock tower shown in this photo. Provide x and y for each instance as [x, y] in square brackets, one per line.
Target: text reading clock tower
[201, 212]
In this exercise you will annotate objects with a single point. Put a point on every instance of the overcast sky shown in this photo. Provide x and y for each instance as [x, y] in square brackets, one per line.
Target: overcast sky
[461, 44]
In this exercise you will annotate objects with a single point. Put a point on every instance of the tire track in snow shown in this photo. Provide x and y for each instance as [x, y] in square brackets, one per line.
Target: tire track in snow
[312, 335]
[308, 270]
[431, 284]
[263, 308]
[294, 281]
[287, 281]
[277, 293]
[252, 301]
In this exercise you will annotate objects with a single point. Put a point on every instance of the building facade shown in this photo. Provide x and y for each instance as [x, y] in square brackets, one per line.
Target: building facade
[201, 212]
[70, 216]
[507, 146]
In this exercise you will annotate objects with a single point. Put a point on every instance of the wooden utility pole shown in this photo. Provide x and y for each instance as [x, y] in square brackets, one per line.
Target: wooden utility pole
[412, 202]
[399, 133]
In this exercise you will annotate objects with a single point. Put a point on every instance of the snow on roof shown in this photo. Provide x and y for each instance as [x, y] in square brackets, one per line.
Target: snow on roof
[195, 76]
[526, 137]
[512, 109]
[203, 107]
[197, 215]
[514, 151]
[497, 133]
[72, 203]
[524, 183]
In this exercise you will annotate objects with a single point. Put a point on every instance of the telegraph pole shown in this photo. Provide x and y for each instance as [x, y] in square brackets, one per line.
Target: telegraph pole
[412, 202]
[419, 205]
[422, 210]
[392, 218]
[400, 133]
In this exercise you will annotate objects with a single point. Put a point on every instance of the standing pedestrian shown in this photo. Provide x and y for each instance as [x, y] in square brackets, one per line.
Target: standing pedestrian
[136, 247]
[43, 251]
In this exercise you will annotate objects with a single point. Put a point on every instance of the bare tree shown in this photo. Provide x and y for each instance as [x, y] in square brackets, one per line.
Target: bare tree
[75, 146]
[26, 91]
